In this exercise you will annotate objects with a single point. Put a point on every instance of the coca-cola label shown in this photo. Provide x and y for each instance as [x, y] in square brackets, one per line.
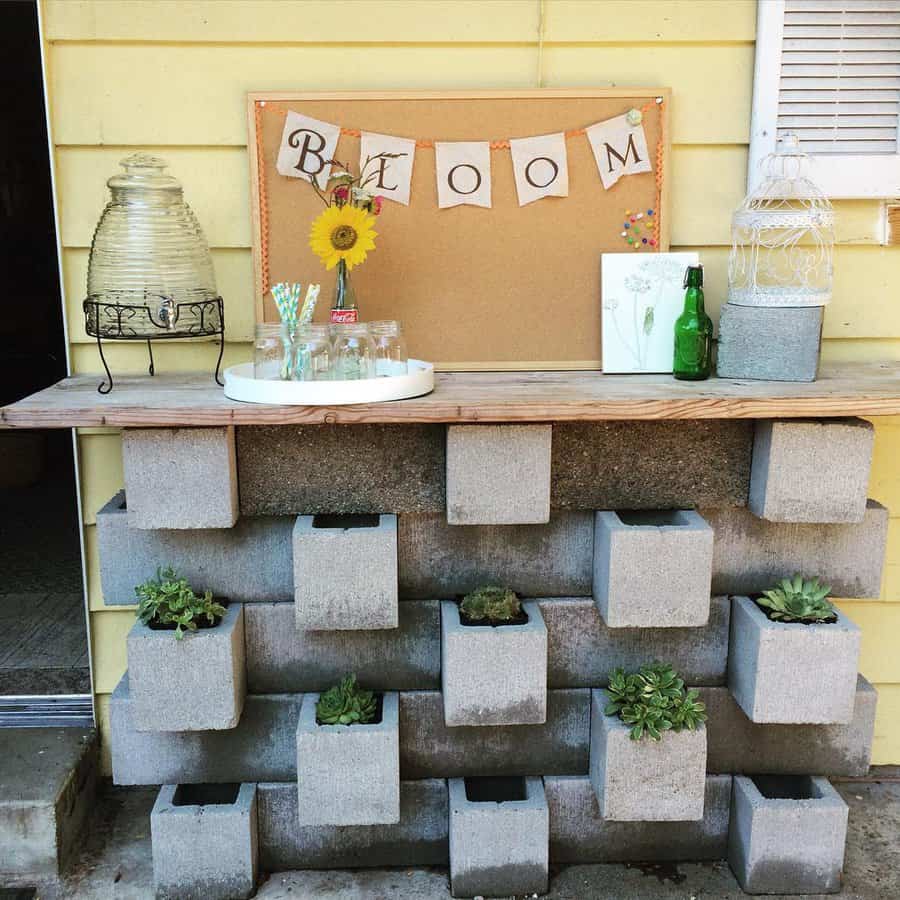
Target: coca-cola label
[344, 316]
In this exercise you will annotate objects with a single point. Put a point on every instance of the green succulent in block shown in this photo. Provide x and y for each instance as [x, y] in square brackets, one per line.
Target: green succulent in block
[491, 603]
[798, 599]
[653, 700]
[168, 599]
[346, 704]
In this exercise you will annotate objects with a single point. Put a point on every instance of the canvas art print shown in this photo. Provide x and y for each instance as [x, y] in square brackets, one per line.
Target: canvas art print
[643, 295]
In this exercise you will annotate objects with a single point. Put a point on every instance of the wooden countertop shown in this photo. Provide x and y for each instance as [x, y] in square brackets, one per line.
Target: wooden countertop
[843, 389]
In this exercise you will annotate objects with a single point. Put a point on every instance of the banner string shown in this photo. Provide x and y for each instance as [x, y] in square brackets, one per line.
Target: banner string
[424, 144]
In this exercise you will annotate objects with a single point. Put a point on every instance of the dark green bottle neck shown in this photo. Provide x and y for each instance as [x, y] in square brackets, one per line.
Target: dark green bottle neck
[693, 301]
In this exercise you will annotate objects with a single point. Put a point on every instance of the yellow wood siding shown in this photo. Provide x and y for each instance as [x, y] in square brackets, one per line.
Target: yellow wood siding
[172, 77]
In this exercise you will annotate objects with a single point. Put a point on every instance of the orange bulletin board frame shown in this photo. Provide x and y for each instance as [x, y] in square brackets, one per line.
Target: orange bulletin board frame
[506, 288]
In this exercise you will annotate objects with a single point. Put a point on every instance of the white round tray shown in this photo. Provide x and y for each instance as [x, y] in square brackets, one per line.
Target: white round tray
[241, 385]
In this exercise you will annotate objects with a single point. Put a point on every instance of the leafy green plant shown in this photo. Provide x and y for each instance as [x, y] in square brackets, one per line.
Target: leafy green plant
[491, 603]
[653, 700]
[346, 704]
[169, 600]
[798, 599]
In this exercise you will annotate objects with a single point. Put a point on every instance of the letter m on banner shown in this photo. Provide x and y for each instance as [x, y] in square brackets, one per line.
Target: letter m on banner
[619, 149]
[307, 148]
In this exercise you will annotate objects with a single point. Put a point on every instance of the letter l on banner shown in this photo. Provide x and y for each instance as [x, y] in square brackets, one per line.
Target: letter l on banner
[463, 173]
[619, 149]
[390, 178]
[307, 147]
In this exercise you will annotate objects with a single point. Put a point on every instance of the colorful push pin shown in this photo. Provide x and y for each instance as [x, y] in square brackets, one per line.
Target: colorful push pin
[643, 240]
[637, 230]
[632, 219]
[630, 240]
[624, 234]
[652, 242]
[626, 225]
[649, 212]
[640, 216]
[627, 212]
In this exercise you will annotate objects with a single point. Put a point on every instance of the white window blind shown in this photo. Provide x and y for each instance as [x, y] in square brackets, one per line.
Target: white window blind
[829, 70]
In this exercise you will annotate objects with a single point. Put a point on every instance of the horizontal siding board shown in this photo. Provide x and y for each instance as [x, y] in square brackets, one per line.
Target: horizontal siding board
[276, 21]
[129, 359]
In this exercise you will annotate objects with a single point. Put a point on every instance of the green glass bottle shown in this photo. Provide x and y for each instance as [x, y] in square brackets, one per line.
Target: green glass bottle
[693, 331]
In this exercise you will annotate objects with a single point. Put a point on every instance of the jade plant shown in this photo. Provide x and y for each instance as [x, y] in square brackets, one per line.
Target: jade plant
[653, 700]
[169, 600]
[491, 604]
[798, 599]
[346, 704]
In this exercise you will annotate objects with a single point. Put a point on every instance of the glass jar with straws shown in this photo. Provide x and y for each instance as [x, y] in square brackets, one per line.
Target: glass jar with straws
[293, 318]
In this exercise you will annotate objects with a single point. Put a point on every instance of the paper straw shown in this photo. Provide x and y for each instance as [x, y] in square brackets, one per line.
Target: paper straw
[309, 304]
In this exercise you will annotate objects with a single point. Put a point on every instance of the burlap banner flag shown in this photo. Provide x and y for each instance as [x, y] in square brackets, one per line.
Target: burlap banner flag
[619, 149]
[389, 177]
[540, 165]
[463, 173]
[307, 148]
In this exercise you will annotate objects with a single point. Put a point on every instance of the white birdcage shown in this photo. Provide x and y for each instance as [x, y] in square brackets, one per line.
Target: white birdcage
[782, 236]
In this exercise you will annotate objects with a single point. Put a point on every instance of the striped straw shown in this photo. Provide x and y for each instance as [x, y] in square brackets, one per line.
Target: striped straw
[287, 300]
[309, 304]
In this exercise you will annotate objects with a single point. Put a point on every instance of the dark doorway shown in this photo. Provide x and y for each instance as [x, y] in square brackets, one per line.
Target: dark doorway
[43, 636]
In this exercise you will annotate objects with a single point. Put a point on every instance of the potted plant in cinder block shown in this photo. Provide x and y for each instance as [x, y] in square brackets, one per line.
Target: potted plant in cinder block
[348, 757]
[493, 659]
[186, 661]
[793, 657]
[648, 747]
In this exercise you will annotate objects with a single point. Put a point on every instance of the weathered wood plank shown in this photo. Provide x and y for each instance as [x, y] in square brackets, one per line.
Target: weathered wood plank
[193, 399]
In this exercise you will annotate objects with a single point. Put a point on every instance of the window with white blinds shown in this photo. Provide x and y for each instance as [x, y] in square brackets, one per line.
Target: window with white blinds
[829, 70]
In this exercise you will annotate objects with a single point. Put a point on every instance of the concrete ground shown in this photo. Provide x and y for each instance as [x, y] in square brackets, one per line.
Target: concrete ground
[116, 863]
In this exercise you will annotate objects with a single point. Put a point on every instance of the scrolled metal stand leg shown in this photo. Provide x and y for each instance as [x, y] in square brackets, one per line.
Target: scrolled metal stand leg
[219, 381]
[151, 369]
[107, 385]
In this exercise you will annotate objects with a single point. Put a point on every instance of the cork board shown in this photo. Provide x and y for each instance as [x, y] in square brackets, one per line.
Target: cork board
[476, 289]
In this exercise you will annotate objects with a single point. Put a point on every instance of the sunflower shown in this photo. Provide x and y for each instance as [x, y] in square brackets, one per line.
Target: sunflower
[342, 233]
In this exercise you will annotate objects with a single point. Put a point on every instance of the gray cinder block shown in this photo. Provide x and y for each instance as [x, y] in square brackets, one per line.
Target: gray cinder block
[787, 835]
[580, 834]
[769, 343]
[263, 746]
[652, 569]
[441, 560]
[735, 744]
[251, 561]
[418, 839]
[204, 841]
[646, 780]
[582, 650]
[811, 470]
[180, 477]
[751, 555]
[195, 684]
[640, 465]
[499, 836]
[787, 673]
[498, 474]
[281, 658]
[493, 675]
[306, 469]
[348, 774]
[345, 572]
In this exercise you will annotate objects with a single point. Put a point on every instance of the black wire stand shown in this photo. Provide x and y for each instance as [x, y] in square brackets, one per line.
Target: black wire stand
[158, 318]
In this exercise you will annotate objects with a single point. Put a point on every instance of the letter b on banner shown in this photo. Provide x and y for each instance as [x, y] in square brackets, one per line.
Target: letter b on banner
[307, 148]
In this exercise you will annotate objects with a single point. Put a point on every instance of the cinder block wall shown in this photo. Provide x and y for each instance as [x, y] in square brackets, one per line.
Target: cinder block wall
[123, 77]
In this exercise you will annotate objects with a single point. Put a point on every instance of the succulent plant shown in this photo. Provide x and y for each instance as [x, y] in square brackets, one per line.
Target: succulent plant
[653, 700]
[168, 599]
[798, 599]
[491, 603]
[346, 704]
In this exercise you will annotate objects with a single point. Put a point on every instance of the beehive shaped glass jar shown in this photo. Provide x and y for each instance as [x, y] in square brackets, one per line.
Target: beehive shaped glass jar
[782, 237]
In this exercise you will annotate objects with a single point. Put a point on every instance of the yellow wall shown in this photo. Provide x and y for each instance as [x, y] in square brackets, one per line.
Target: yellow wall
[127, 74]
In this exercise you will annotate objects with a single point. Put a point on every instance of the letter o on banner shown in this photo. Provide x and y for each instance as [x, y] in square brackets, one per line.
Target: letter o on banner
[463, 170]
[540, 166]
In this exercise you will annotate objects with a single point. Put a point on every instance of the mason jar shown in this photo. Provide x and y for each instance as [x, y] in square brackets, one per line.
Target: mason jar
[390, 348]
[354, 352]
[313, 353]
[268, 352]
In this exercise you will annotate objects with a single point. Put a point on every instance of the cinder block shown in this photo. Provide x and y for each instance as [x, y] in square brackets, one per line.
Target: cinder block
[652, 569]
[345, 572]
[769, 343]
[348, 774]
[582, 650]
[498, 474]
[204, 841]
[499, 836]
[638, 781]
[251, 561]
[441, 560]
[263, 746]
[580, 834]
[306, 469]
[792, 672]
[431, 749]
[735, 744]
[280, 658]
[493, 675]
[195, 684]
[811, 470]
[787, 835]
[641, 465]
[751, 555]
[180, 477]
[418, 839]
